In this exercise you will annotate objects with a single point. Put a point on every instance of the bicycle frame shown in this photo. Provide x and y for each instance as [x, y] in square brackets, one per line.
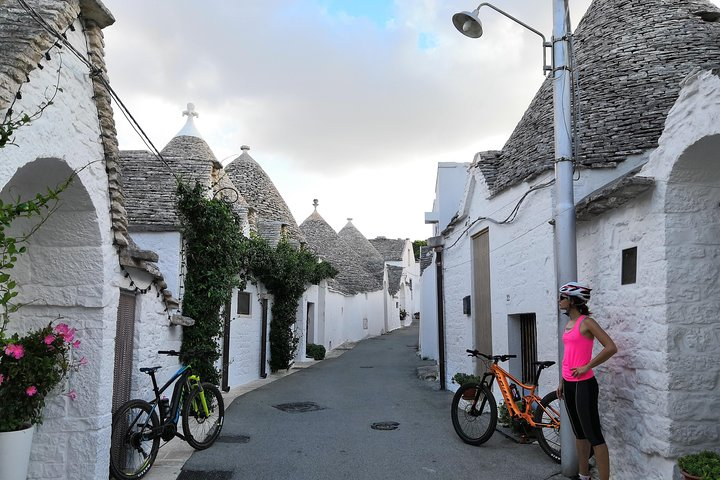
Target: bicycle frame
[529, 400]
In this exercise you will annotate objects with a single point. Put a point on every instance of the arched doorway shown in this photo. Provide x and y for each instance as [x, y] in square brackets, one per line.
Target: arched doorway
[692, 242]
[64, 274]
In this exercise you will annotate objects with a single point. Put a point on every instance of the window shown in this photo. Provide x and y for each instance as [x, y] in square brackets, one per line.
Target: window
[528, 336]
[629, 266]
[243, 303]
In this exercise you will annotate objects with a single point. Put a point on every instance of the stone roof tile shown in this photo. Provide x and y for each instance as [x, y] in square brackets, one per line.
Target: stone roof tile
[261, 194]
[391, 249]
[322, 240]
[371, 258]
[630, 58]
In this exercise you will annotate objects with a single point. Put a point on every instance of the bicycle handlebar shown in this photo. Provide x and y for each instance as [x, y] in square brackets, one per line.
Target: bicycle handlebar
[494, 358]
[175, 353]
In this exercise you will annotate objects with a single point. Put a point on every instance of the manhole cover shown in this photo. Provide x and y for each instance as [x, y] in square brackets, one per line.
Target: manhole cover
[385, 426]
[299, 407]
[206, 475]
[233, 439]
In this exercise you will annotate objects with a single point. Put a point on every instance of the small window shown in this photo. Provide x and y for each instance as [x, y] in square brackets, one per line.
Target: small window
[629, 266]
[243, 303]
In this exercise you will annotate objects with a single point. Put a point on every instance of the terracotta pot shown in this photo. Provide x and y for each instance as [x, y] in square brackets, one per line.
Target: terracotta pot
[15, 453]
[469, 394]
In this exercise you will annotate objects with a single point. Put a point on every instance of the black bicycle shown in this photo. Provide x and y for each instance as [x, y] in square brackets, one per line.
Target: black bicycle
[139, 425]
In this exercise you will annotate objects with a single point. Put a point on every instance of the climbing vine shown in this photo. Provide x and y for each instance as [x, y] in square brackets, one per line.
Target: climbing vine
[215, 253]
[285, 271]
[219, 258]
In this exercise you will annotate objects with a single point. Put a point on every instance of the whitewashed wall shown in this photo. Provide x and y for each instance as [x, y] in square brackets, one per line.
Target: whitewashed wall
[428, 329]
[246, 339]
[168, 246]
[664, 380]
[80, 260]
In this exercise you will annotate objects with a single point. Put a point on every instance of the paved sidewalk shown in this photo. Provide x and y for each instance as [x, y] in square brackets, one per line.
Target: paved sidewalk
[173, 455]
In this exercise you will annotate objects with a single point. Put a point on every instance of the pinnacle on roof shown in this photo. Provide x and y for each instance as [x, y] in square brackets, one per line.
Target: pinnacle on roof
[189, 130]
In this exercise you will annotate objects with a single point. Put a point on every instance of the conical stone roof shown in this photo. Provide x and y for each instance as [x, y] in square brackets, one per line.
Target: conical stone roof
[260, 193]
[630, 59]
[371, 258]
[150, 184]
[322, 240]
[391, 249]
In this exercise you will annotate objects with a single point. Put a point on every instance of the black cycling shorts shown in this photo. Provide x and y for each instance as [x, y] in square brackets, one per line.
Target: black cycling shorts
[581, 402]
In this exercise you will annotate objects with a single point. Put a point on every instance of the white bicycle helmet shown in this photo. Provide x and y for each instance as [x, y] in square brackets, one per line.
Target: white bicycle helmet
[578, 290]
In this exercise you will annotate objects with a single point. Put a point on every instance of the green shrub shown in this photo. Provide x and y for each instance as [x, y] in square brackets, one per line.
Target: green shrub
[705, 465]
[317, 352]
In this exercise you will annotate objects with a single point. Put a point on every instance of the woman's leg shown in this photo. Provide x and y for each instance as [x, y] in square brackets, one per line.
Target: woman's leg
[583, 453]
[602, 460]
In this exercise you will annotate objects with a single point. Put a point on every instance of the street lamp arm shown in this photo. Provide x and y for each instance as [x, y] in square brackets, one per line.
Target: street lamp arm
[484, 4]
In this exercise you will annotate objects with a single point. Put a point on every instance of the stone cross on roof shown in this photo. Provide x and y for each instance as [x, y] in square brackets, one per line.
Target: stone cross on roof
[189, 130]
[190, 112]
[315, 203]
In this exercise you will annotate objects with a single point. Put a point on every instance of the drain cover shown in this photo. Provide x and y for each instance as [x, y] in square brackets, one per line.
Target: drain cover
[385, 426]
[206, 475]
[233, 439]
[299, 407]
[366, 367]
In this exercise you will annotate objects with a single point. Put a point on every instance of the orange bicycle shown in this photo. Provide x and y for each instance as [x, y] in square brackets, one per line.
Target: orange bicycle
[475, 412]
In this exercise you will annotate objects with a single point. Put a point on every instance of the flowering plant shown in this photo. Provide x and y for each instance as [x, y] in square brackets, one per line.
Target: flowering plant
[31, 366]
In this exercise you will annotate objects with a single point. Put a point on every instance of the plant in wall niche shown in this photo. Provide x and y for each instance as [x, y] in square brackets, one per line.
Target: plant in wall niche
[31, 367]
[285, 271]
[215, 252]
[403, 314]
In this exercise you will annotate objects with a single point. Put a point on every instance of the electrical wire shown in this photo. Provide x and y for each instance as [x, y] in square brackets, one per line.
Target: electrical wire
[98, 74]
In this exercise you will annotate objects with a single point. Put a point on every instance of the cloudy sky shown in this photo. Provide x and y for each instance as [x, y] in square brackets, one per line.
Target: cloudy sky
[352, 102]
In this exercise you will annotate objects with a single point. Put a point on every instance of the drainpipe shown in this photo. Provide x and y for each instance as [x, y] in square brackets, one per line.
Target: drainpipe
[440, 312]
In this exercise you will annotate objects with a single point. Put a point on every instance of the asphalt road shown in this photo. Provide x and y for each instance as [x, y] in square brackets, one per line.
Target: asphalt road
[327, 434]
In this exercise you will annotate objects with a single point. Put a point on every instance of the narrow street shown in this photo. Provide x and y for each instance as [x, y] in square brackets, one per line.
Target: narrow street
[324, 432]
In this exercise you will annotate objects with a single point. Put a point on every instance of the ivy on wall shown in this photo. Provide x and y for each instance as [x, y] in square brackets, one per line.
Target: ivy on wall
[215, 253]
[285, 271]
[219, 258]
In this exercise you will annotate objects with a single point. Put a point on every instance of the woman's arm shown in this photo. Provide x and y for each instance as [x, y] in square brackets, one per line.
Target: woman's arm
[590, 326]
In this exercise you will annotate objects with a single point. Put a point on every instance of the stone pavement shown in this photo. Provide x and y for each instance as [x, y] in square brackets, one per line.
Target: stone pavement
[173, 455]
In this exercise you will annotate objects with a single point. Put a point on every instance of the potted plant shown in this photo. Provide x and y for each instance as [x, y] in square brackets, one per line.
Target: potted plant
[463, 378]
[31, 367]
[704, 465]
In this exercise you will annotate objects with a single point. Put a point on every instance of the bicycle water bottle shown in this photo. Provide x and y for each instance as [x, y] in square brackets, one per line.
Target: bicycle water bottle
[164, 408]
[514, 392]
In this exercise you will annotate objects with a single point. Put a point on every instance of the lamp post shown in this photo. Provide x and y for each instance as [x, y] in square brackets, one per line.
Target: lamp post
[469, 25]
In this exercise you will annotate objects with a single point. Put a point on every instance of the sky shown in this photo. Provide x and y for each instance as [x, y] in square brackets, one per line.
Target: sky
[351, 102]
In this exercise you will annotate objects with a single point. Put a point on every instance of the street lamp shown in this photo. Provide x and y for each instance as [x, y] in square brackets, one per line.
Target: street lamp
[469, 25]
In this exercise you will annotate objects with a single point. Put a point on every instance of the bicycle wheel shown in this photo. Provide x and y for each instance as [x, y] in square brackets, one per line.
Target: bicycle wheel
[474, 413]
[549, 437]
[202, 430]
[133, 448]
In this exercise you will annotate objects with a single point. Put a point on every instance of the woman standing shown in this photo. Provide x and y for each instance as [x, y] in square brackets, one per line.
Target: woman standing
[579, 388]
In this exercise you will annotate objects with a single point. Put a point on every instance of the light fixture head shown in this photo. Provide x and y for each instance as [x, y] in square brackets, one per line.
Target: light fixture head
[468, 24]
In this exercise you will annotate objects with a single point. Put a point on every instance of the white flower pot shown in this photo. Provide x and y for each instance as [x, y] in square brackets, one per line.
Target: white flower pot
[15, 453]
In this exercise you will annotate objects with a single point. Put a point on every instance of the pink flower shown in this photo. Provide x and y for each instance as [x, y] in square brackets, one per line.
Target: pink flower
[83, 361]
[62, 328]
[2, 378]
[49, 339]
[76, 344]
[16, 351]
[31, 390]
[72, 394]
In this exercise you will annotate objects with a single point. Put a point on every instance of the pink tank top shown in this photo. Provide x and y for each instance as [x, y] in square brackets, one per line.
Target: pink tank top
[578, 352]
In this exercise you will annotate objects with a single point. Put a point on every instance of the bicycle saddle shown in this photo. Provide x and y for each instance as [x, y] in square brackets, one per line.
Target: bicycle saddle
[544, 364]
[150, 369]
